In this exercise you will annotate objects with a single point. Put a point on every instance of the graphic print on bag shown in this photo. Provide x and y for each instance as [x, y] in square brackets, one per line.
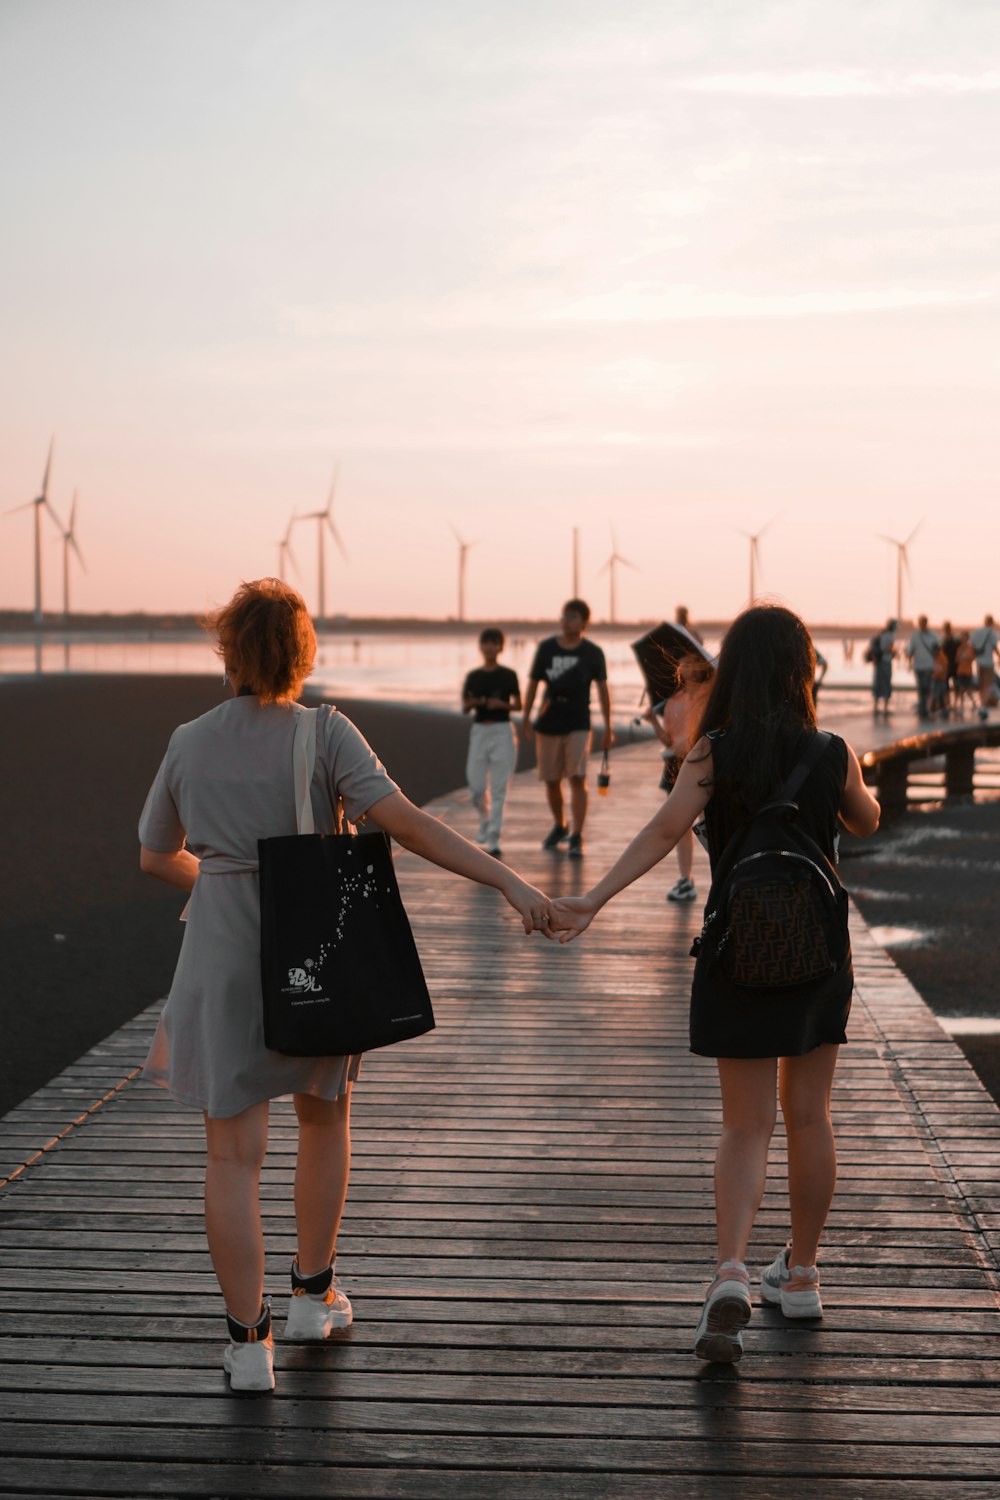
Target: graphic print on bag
[340, 971]
[305, 985]
[776, 914]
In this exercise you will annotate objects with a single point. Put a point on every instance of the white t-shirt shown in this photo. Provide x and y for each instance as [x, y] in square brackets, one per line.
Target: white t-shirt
[921, 649]
[984, 643]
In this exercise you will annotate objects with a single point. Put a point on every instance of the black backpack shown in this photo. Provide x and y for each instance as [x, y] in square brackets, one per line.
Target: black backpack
[776, 914]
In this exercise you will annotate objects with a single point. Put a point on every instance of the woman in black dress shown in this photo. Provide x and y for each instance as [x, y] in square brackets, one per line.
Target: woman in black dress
[757, 723]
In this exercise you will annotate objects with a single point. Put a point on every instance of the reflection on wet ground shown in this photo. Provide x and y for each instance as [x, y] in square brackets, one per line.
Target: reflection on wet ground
[899, 937]
[926, 884]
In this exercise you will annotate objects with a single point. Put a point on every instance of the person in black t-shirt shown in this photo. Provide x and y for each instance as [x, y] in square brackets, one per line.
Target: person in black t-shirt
[567, 665]
[490, 692]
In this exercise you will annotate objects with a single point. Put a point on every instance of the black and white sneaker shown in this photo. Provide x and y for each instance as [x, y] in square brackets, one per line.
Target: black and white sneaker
[249, 1359]
[683, 891]
[575, 850]
[317, 1307]
[555, 836]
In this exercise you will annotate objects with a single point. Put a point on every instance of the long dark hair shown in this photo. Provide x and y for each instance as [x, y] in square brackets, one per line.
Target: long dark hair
[762, 697]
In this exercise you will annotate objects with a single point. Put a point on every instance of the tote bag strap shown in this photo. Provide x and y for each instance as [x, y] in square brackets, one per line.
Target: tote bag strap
[303, 765]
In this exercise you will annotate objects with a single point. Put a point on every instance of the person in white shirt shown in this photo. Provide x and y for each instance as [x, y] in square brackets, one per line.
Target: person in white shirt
[921, 648]
[984, 642]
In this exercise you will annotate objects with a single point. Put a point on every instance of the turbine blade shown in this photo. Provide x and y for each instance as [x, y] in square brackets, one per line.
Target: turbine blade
[292, 558]
[893, 541]
[632, 565]
[333, 489]
[913, 533]
[72, 513]
[52, 513]
[48, 467]
[76, 548]
[906, 564]
[336, 537]
[15, 508]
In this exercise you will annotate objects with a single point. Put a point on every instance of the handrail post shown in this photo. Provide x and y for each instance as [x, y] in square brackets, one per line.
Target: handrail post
[959, 766]
[893, 774]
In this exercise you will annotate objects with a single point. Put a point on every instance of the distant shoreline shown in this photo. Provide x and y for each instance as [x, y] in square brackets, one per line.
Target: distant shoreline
[16, 625]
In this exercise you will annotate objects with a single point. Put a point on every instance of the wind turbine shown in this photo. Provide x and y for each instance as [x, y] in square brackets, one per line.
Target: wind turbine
[754, 539]
[611, 565]
[70, 541]
[324, 518]
[464, 548]
[39, 503]
[902, 563]
[285, 552]
[576, 562]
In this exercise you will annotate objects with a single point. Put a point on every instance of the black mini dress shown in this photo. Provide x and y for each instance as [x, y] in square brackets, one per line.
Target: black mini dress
[729, 1020]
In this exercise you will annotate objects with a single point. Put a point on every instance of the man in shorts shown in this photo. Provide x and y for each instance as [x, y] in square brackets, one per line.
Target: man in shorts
[567, 665]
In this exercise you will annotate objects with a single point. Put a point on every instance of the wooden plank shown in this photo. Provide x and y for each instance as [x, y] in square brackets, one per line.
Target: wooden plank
[527, 1240]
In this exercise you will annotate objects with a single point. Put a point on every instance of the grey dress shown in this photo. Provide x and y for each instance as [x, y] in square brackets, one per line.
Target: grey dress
[225, 782]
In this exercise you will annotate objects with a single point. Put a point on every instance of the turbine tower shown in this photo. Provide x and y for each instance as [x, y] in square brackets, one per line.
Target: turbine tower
[902, 563]
[464, 548]
[576, 562]
[40, 503]
[285, 553]
[324, 519]
[610, 567]
[754, 539]
[70, 541]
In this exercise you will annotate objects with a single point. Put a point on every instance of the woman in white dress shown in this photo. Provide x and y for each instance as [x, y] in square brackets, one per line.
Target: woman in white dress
[225, 782]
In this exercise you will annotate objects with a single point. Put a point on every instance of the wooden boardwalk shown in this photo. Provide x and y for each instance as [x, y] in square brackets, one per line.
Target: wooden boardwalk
[528, 1237]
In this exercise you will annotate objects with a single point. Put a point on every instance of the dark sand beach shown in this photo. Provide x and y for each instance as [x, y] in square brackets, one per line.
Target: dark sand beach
[87, 941]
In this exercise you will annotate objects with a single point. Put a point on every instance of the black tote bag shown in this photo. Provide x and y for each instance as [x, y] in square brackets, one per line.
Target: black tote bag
[339, 968]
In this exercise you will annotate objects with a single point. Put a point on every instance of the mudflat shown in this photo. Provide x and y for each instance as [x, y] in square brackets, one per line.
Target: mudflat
[86, 941]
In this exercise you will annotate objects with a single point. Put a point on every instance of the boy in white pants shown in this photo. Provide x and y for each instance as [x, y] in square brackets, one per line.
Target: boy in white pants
[491, 692]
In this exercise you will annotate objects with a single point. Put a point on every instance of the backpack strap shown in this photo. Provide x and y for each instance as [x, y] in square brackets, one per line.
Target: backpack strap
[785, 797]
[801, 769]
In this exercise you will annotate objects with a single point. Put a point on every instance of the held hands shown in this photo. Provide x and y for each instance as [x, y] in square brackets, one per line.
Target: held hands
[534, 908]
[572, 915]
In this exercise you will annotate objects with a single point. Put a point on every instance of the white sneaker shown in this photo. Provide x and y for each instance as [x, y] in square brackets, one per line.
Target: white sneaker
[312, 1316]
[726, 1312]
[795, 1289]
[249, 1361]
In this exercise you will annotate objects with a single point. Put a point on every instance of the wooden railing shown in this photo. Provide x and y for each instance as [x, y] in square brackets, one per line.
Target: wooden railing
[889, 765]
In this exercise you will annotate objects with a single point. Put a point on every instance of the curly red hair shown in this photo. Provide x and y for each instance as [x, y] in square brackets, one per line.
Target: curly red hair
[266, 639]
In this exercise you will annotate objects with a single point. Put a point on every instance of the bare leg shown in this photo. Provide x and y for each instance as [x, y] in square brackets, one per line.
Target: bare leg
[554, 792]
[322, 1169]
[805, 1084]
[236, 1149]
[578, 801]
[749, 1110]
[685, 853]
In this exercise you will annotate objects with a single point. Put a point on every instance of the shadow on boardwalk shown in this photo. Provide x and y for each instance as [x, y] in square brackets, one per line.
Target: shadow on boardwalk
[528, 1236]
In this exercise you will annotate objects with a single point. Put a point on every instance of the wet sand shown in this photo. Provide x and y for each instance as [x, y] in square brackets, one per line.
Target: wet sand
[86, 941]
[934, 872]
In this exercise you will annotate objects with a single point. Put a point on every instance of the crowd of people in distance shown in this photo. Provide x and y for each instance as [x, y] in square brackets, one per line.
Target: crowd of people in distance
[954, 670]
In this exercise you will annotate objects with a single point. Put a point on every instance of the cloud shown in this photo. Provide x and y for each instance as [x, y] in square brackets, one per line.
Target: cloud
[647, 305]
[844, 83]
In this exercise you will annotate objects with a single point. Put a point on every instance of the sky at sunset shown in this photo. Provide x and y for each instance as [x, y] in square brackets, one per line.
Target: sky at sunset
[680, 269]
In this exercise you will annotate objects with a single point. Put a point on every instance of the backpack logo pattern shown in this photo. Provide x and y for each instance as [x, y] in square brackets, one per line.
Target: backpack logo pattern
[776, 930]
